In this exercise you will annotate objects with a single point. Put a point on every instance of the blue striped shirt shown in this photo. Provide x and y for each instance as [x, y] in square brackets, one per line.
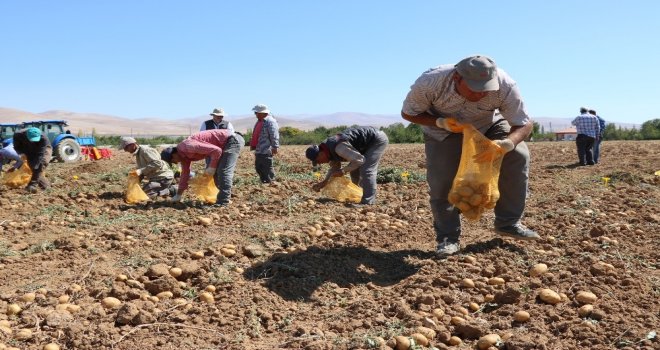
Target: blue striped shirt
[587, 124]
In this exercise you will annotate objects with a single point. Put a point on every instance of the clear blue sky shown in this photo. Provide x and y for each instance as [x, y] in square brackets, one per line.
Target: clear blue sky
[175, 59]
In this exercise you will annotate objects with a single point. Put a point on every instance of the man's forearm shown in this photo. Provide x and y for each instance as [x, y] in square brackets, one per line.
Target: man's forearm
[421, 119]
[518, 134]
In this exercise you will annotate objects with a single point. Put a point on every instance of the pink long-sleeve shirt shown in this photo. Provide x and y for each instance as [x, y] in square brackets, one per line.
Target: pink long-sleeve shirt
[208, 143]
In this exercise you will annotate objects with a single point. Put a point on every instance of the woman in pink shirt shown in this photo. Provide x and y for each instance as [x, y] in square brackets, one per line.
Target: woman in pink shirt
[222, 146]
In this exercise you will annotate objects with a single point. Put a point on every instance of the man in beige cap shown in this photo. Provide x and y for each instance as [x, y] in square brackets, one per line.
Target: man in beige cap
[265, 143]
[150, 167]
[474, 91]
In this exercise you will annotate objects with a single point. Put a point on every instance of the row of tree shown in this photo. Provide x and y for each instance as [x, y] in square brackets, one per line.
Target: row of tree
[399, 133]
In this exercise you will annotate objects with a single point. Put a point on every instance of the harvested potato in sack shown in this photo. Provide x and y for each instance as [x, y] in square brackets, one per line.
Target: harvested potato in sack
[475, 187]
[204, 189]
[134, 193]
[19, 177]
[343, 190]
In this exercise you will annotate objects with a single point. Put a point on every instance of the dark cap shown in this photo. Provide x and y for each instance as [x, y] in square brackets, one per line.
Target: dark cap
[166, 154]
[479, 72]
[312, 152]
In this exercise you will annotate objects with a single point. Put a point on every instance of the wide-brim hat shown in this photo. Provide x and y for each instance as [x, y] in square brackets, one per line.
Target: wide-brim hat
[218, 112]
[261, 109]
[479, 72]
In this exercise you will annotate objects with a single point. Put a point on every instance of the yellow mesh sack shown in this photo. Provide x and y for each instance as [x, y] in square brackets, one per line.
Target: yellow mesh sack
[475, 187]
[343, 190]
[19, 177]
[203, 187]
[134, 193]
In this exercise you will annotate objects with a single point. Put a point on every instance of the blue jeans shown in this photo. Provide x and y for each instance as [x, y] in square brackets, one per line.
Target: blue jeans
[597, 149]
[442, 160]
[224, 174]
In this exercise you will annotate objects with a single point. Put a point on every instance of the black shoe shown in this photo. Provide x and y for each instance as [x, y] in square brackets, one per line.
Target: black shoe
[517, 231]
[32, 189]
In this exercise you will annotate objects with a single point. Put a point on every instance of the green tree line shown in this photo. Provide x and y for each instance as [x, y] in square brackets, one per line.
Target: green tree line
[399, 133]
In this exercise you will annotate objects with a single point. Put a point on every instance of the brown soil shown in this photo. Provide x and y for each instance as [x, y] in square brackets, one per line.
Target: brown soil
[367, 275]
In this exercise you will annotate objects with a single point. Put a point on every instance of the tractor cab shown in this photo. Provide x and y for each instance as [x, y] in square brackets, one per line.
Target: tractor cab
[7, 133]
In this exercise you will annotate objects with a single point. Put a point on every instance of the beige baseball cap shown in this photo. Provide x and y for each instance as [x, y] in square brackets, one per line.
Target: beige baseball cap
[479, 72]
[125, 141]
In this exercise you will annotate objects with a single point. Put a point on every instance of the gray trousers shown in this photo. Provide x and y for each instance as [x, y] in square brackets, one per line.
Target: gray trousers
[38, 167]
[224, 174]
[263, 164]
[442, 160]
[365, 176]
[157, 187]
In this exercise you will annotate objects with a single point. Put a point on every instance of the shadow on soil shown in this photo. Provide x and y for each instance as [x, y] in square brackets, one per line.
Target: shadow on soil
[564, 166]
[296, 276]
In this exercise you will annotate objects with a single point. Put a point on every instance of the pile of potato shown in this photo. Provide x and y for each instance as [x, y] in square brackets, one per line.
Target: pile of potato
[472, 197]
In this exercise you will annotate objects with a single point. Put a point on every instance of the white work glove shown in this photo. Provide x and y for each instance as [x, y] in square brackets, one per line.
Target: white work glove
[138, 172]
[500, 148]
[449, 124]
[506, 145]
[176, 198]
[209, 171]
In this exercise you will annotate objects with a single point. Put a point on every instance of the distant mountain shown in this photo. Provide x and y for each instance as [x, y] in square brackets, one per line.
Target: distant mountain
[114, 125]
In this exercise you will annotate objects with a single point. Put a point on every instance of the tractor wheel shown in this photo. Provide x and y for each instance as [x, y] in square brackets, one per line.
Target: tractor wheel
[68, 150]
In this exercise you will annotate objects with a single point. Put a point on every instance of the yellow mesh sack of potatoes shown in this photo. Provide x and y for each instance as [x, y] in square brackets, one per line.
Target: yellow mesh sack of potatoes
[134, 193]
[343, 190]
[204, 189]
[19, 177]
[475, 187]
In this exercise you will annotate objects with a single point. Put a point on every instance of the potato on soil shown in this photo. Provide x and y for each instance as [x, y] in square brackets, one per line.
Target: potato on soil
[488, 340]
[206, 297]
[521, 316]
[420, 339]
[13, 309]
[549, 296]
[455, 341]
[585, 310]
[110, 303]
[402, 343]
[425, 331]
[51, 346]
[538, 270]
[28, 297]
[586, 297]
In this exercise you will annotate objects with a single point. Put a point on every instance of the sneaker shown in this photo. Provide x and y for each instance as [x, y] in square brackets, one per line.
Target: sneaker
[447, 248]
[517, 231]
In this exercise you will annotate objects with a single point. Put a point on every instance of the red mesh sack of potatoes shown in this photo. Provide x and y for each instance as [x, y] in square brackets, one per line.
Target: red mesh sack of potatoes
[474, 189]
[204, 189]
[19, 177]
[343, 190]
[134, 193]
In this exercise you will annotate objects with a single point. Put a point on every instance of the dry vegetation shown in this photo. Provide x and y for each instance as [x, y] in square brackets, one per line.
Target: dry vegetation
[282, 268]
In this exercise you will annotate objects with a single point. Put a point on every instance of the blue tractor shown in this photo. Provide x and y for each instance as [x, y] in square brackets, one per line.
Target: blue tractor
[66, 147]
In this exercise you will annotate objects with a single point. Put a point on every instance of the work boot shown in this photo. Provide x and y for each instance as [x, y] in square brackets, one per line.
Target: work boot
[517, 231]
[446, 248]
[32, 188]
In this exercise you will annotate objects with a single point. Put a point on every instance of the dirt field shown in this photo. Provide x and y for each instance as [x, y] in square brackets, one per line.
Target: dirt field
[367, 275]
